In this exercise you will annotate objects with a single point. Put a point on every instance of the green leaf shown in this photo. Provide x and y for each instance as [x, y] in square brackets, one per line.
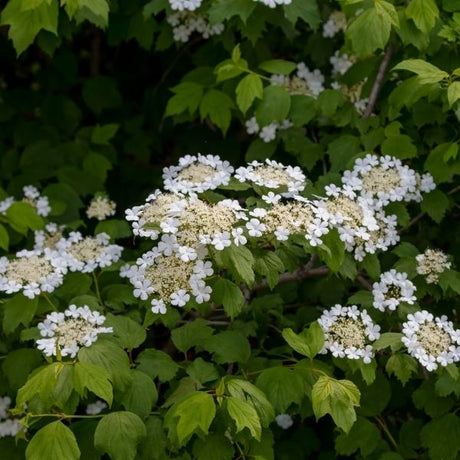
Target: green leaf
[4, 238]
[388, 339]
[278, 66]
[400, 146]
[217, 105]
[23, 216]
[244, 415]
[228, 294]
[18, 310]
[97, 165]
[51, 442]
[226, 9]
[440, 437]
[363, 436]
[374, 26]
[274, 106]
[213, 446]
[95, 11]
[248, 392]
[153, 447]
[141, 395]
[228, 347]
[300, 9]
[110, 356]
[364, 298]
[191, 335]
[270, 266]
[202, 371]
[100, 93]
[25, 23]
[282, 386]
[239, 261]
[402, 366]
[130, 333]
[115, 228]
[118, 435]
[424, 14]
[17, 375]
[248, 89]
[334, 254]
[453, 93]
[194, 412]
[187, 97]
[427, 73]
[52, 384]
[157, 363]
[308, 343]
[101, 135]
[450, 279]
[303, 109]
[387, 11]
[94, 378]
[435, 204]
[337, 398]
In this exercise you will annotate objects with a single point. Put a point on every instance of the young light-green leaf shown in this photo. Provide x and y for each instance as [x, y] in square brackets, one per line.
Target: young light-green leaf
[244, 415]
[94, 378]
[248, 89]
[53, 441]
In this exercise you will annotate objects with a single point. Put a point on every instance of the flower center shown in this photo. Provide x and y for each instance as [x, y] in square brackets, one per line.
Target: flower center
[433, 339]
[349, 210]
[379, 179]
[348, 332]
[270, 173]
[294, 217]
[73, 331]
[169, 275]
[394, 292]
[86, 249]
[28, 269]
[156, 211]
[196, 173]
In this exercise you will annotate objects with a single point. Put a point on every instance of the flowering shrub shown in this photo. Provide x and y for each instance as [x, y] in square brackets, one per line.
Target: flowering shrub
[228, 229]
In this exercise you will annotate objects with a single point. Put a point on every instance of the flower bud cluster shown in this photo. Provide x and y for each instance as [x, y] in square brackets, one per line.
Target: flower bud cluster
[431, 264]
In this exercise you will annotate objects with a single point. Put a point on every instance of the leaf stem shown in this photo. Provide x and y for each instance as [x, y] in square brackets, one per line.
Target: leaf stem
[96, 286]
[45, 296]
[381, 422]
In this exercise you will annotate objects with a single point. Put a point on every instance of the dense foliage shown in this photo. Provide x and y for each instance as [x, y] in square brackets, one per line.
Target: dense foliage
[283, 283]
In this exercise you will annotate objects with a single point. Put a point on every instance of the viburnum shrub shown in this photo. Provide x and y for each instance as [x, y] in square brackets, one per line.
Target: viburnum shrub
[229, 229]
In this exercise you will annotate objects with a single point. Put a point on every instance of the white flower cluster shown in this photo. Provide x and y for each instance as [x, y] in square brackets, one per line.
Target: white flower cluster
[430, 340]
[382, 180]
[305, 81]
[31, 272]
[169, 278]
[431, 264]
[185, 23]
[101, 208]
[31, 196]
[268, 132]
[187, 223]
[274, 3]
[8, 426]
[337, 22]
[353, 93]
[341, 62]
[348, 333]
[284, 421]
[196, 174]
[296, 216]
[96, 407]
[49, 237]
[273, 175]
[85, 254]
[393, 289]
[363, 229]
[185, 5]
[65, 333]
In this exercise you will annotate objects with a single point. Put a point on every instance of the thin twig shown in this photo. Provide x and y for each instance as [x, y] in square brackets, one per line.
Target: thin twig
[378, 81]
[364, 282]
[299, 274]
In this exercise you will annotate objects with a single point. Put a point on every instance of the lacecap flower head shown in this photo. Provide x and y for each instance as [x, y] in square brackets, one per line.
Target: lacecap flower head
[348, 333]
[31, 272]
[431, 264]
[65, 333]
[432, 341]
[393, 289]
[100, 208]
